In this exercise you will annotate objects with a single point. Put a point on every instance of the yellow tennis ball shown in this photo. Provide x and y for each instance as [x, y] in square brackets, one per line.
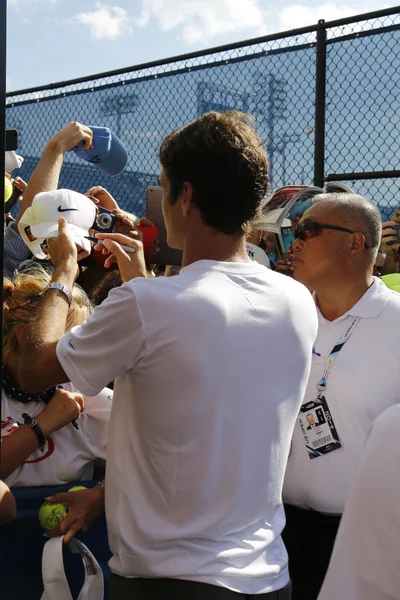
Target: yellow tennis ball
[7, 189]
[77, 488]
[51, 514]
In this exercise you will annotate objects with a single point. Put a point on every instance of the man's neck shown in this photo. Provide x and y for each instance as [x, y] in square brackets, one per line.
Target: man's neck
[203, 243]
[337, 298]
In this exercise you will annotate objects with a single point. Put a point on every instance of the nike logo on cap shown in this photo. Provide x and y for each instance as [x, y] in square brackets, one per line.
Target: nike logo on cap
[66, 209]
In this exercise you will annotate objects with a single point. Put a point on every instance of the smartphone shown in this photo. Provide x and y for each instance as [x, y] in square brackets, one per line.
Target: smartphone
[162, 253]
[11, 140]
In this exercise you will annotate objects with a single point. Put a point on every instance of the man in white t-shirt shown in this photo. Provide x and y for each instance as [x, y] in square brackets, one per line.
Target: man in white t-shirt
[355, 375]
[210, 368]
[365, 563]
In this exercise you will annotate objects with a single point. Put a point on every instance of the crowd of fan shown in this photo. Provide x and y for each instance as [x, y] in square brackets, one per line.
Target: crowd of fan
[254, 409]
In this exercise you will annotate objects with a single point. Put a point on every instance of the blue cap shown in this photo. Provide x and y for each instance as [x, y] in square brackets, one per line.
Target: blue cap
[108, 152]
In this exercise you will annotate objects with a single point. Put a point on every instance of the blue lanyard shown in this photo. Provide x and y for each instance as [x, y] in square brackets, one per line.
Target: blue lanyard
[321, 385]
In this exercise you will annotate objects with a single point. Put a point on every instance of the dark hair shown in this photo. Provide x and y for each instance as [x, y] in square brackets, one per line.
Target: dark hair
[222, 157]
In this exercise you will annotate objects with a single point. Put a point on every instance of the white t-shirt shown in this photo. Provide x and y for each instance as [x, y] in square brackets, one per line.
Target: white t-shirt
[363, 382]
[211, 366]
[365, 563]
[69, 453]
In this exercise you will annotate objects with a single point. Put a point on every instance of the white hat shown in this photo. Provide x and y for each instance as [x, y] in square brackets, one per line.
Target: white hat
[40, 221]
[12, 161]
[258, 255]
[335, 187]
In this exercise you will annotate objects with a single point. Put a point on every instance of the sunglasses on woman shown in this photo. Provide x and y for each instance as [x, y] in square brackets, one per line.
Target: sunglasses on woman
[309, 229]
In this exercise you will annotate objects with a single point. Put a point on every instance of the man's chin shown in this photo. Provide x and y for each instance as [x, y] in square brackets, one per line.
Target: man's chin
[299, 271]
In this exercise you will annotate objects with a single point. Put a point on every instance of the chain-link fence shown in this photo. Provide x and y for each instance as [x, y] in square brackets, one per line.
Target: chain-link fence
[325, 100]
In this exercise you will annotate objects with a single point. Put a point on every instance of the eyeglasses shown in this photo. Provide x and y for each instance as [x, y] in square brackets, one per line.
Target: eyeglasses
[309, 229]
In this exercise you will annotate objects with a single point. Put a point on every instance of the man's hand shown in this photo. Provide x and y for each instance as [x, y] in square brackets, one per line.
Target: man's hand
[396, 216]
[103, 198]
[63, 408]
[284, 264]
[20, 184]
[70, 136]
[85, 507]
[63, 250]
[130, 265]
[390, 239]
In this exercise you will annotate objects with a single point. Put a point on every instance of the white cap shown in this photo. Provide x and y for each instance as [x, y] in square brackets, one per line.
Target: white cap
[335, 187]
[13, 161]
[40, 221]
[258, 255]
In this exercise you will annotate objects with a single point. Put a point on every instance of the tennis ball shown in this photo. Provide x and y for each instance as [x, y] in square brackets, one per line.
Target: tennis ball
[77, 488]
[7, 189]
[51, 514]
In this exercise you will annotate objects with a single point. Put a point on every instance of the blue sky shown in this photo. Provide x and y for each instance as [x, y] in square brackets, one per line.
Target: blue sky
[56, 40]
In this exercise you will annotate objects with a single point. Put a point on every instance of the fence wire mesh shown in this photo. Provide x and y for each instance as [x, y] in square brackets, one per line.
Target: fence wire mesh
[273, 78]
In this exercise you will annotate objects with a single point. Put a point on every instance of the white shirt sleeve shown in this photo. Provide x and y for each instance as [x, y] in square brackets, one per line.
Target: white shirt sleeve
[107, 345]
[365, 563]
[94, 421]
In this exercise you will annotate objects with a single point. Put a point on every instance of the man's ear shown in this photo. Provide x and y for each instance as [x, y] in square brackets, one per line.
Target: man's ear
[358, 243]
[20, 331]
[186, 198]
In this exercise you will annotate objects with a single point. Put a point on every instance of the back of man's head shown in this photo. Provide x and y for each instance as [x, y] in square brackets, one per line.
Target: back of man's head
[358, 214]
[222, 157]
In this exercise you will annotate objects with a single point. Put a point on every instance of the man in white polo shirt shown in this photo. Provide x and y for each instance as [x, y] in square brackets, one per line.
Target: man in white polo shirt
[204, 406]
[355, 375]
[365, 563]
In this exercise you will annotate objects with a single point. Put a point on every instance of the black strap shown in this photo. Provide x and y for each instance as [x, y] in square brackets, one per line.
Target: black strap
[36, 429]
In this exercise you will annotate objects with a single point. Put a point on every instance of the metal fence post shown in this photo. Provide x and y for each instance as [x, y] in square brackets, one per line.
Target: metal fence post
[320, 91]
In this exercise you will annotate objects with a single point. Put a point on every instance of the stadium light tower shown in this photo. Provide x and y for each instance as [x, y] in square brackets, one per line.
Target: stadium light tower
[118, 105]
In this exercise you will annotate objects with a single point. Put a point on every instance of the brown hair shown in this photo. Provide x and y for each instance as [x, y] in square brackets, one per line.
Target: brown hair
[222, 157]
[21, 297]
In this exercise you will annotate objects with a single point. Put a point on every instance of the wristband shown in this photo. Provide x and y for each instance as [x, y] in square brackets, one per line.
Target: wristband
[61, 288]
[36, 429]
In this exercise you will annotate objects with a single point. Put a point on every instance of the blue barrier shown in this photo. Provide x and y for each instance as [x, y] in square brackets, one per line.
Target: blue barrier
[22, 541]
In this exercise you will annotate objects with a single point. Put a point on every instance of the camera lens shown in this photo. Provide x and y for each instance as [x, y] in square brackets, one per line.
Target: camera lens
[104, 221]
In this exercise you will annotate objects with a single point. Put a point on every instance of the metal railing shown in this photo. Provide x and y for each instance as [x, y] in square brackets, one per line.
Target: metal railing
[325, 99]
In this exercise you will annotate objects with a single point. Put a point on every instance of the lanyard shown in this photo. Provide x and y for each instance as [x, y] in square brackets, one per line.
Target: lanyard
[321, 385]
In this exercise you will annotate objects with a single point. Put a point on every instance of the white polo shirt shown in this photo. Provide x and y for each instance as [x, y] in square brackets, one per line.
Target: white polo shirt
[363, 382]
[69, 453]
[210, 368]
[365, 563]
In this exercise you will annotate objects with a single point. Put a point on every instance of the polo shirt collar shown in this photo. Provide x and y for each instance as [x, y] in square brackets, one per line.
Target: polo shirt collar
[370, 304]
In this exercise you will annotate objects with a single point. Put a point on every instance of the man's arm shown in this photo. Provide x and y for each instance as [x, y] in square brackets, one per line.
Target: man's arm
[100, 349]
[47, 172]
[39, 367]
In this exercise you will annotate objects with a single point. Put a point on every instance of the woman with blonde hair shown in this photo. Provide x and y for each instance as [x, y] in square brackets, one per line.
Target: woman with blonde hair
[52, 437]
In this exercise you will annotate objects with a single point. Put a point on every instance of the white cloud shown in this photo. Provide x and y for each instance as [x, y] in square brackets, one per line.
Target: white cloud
[106, 22]
[201, 20]
[301, 15]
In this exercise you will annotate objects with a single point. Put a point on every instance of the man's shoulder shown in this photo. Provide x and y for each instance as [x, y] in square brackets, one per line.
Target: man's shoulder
[391, 310]
[293, 290]
[394, 300]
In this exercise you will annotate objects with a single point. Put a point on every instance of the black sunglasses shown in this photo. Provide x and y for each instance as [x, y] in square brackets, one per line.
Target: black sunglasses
[309, 229]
